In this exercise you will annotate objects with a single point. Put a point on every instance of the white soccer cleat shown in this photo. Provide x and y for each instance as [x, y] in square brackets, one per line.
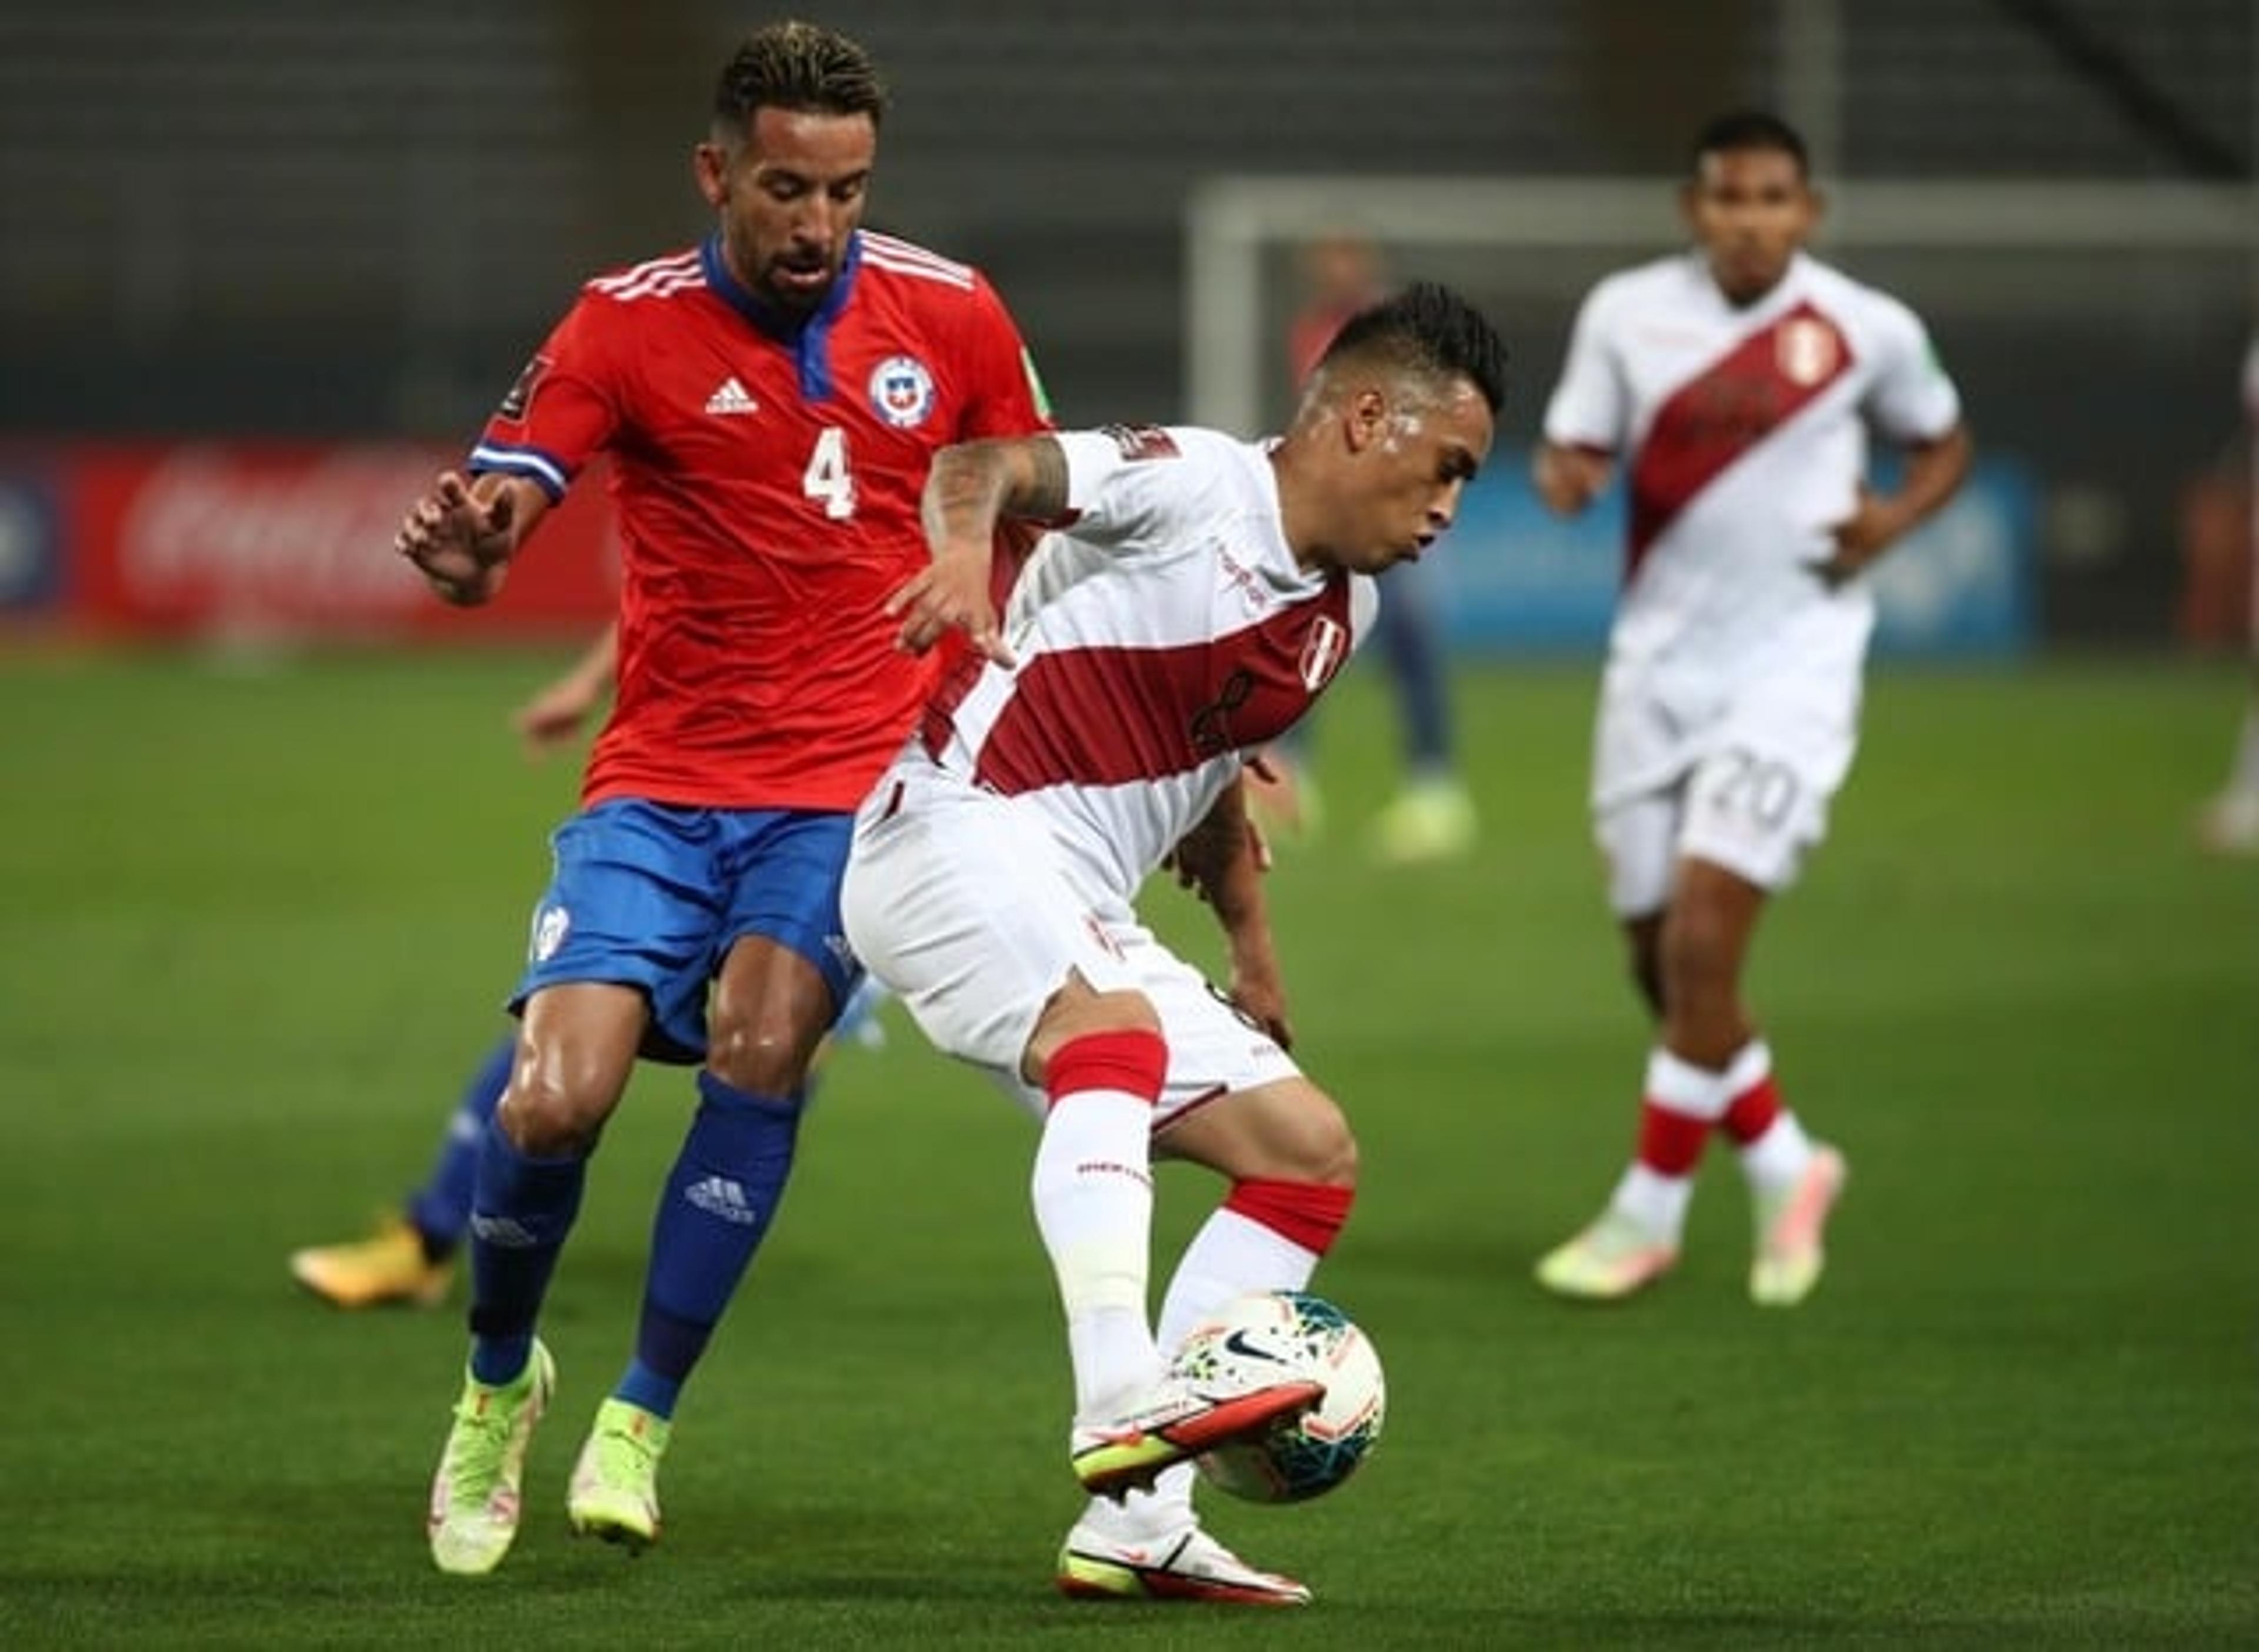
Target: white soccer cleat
[2229, 824]
[1171, 1422]
[1608, 1261]
[1790, 1228]
[1186, 1564]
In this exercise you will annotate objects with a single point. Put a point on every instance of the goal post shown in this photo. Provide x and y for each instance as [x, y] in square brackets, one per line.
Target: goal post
[2096, 329]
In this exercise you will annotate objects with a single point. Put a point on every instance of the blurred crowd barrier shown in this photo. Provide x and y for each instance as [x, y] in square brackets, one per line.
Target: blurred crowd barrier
[266, 541]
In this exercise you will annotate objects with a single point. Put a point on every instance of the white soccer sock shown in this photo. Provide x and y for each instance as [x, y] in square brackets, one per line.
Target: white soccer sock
[1092, 1189]
[1774, 1161]
[1653, 1202]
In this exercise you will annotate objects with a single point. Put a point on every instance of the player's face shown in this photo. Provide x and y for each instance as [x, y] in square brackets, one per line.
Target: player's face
[1749, 210]
[790, 195]
[1415, 454]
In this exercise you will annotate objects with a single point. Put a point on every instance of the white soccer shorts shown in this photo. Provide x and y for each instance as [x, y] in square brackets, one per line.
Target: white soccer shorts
[1748, 789]
[957, 898]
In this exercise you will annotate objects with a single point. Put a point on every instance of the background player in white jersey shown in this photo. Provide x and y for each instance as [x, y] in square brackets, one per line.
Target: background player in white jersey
[1207, 591]
[2230, 823]
[1737, 385]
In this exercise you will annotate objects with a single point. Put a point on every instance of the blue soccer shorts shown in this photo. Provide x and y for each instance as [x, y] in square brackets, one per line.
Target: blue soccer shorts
[654, 895]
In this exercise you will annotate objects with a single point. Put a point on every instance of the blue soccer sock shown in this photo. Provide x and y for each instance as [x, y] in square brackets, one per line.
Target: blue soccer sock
[1415, 653]
[440, 1210]
[719, 1198]
[522, 1210]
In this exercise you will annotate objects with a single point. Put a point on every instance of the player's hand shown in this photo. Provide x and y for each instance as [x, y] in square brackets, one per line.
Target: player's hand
[949, 593]
[1568, 478]
[1261, 997]
[1860, 538]
[554, 715]
[458, 541]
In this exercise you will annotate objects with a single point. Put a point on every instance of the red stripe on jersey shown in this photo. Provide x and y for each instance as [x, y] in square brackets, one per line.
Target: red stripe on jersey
[1105, 716]
[1725, 410]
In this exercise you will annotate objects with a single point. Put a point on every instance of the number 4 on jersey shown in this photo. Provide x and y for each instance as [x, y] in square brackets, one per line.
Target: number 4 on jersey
[828, 477]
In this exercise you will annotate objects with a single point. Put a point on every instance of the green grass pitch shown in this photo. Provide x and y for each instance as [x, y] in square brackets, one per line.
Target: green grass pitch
[254, 920]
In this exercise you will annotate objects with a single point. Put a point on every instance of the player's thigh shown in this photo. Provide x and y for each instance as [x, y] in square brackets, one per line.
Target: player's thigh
[630, 903]
[955, 899]
[784, 967]
[1638, 840]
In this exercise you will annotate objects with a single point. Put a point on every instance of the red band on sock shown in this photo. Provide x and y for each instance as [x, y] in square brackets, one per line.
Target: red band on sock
[1751, 1113]
[1308, 1213]
[1133, 1060]
[1669, 1143]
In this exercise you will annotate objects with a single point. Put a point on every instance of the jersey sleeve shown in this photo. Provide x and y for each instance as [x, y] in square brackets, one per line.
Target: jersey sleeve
[1589, 406]
[1130, 485]
[1912, 399]
[1006, 396]
[564, 408]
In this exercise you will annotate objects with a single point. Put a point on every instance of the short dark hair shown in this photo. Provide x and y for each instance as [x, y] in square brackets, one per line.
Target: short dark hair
[798, 66]
[1430, 329]
[1748, 129]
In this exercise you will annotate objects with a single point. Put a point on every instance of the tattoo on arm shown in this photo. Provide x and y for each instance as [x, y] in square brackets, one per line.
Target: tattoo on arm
[1040, 491]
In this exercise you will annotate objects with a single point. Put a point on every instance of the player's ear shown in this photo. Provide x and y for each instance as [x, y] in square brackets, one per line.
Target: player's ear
[1364, 419]
[709, 164]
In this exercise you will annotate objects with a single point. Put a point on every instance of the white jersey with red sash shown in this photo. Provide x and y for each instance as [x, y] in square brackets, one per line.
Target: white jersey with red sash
[1164, 633]
[1743, 433]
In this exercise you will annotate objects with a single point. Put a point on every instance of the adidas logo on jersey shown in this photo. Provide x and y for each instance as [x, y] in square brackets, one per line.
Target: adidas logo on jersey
[731, 398]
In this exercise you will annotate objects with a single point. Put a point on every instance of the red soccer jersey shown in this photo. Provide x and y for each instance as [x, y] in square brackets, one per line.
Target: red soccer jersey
[766, 484]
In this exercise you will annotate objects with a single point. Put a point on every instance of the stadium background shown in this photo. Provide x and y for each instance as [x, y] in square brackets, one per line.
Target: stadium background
[262, 264]
[247, 219]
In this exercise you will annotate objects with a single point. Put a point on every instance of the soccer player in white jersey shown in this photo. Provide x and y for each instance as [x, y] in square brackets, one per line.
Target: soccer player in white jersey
[1737, 385]
[1203, 594]
[2230, 823]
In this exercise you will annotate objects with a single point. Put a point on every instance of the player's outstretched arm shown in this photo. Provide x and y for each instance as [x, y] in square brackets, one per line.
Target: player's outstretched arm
[556, 709]
[1935, 472]
[972, 486]
[462, 534]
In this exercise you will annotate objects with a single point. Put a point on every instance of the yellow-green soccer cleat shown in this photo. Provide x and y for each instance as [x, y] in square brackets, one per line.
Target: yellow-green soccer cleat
[1185, 1565]
[1607, 1262]
[475, 1494]
[1790, 1227]
[615, 1493]
[1430, 820]
[1174, 1421]
[388, 1266]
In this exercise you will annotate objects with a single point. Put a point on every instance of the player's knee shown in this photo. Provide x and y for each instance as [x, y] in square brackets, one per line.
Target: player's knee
[550, 1110]
[1077, 1012]
[767, 1053]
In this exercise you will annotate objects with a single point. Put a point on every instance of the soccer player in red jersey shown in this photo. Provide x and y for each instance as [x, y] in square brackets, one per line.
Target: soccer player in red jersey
[771, 401]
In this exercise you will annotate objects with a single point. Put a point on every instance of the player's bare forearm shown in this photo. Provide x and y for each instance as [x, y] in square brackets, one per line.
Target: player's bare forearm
[1935, 472]
[972, 486]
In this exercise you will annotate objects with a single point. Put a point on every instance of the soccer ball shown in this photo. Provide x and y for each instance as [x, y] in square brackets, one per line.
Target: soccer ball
[1266, 1336]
